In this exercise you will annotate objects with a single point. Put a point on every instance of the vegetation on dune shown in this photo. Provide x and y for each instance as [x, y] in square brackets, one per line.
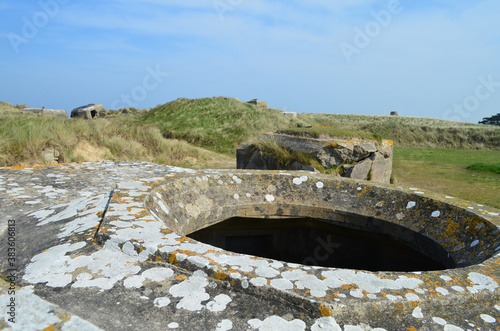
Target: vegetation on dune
[415, 131]
[23, 137]
[6, 107]
[220, 124]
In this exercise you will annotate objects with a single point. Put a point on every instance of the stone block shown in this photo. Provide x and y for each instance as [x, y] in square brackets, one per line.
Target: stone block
[378, 170]
[359, 170]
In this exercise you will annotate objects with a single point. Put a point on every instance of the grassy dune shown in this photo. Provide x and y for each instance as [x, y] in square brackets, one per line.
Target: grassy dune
[219, 124]
[24, 136]
[415, 131]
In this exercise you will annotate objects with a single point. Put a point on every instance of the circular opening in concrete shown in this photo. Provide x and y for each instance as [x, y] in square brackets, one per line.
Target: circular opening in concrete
[317, 242]
[324, 221]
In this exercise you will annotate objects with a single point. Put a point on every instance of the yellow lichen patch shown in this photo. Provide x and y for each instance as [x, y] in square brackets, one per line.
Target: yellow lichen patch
[360, 194]
[189, 253]
[50, 328]
[400, 306]
[220, 275]
[181, 277]
[414, 304]
[411, 328]
[324, 311]
[172, 259]
[158, 259]
[347, 286]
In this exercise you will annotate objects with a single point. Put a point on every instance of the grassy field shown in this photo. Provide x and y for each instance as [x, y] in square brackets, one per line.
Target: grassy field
[445, 171]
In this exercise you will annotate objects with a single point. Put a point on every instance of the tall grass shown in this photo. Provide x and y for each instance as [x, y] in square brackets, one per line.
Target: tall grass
[415, 131]
[220, 124]
[22, 138]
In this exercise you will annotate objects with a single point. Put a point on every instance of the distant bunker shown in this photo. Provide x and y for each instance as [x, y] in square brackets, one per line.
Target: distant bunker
[47, 112]
[87, 112]
[252, 249]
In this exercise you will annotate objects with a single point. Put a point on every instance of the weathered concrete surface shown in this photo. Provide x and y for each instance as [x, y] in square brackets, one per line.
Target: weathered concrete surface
[360, 159]
[103, 245]
[47, 112]
[87, 112]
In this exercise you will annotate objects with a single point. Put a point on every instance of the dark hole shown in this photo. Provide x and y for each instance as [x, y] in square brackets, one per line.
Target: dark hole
[316, 242]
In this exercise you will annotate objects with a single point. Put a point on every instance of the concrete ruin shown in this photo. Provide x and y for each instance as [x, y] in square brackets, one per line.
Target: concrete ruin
[365, 159]
[106, 246]
[258, 103]
[87, 112]
[47, 112]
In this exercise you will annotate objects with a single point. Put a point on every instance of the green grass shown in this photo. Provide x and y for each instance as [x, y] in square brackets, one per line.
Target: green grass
[330, 132]
[219, 124]
[445, 171]
[494, 168]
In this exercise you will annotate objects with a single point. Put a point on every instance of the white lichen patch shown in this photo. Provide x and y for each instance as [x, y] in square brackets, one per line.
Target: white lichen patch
[161, 302]
[417, 313]
[412, 297]
[481, 282]
[192, 293]
[326, 324]
[219, 303]
[258, 281]
[153, 274]
[53, 266]
[31, 313]
[76, 323]
[282, 284]
[224, 325]
[442, 291]
[269, 197]
[488, 319]
[411, 204]
[277, 323]
[439, 320]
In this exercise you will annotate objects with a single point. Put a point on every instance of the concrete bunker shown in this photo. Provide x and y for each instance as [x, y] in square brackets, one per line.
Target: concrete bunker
[379, 228]
[86, 254]
[325, 243]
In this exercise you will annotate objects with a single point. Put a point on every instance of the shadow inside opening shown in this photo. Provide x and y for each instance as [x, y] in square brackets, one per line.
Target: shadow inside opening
[316, 242]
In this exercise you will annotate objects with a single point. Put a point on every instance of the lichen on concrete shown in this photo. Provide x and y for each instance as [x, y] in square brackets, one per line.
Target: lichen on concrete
[105, 245]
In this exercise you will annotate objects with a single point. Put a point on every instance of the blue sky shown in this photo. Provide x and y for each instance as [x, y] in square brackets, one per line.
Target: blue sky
[421, 58]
